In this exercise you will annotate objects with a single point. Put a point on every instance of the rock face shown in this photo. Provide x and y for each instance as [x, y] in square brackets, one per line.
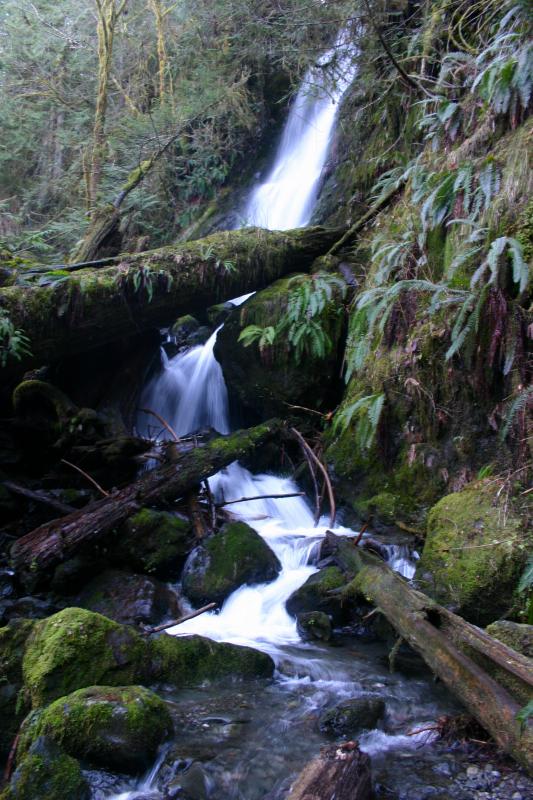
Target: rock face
[314, 594]
[155, 543]
[46, 773]
[129, 599]
[473, 553]
[352, 716]
[265, 383]
[115, 727]
[314, 625]
[235, 556]
[513, 634]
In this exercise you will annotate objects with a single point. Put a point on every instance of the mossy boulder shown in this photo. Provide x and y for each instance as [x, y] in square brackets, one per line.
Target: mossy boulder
[514, 634]
[352, 716]
[190, 660]
[47, 773]
[155, 543]
[115, 727]
[235, 556]
[129, 599]
[76, 648]
[264, 382]
[474, 552]
[13, 640]
[183, 327]
[314, 625]
[315, 594]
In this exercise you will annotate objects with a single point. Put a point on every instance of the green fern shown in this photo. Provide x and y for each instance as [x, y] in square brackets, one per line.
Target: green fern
[264, 337]
[366, 413]
[13, 342]
[519, 404]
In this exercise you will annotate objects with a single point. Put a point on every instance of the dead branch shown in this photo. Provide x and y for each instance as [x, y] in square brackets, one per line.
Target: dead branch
[192, 615]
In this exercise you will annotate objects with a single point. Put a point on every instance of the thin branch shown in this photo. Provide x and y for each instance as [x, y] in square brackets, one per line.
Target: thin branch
[39, 497]
[163, 422]
[320, 465]
[192, 615]
[259, 497]
[91, 480]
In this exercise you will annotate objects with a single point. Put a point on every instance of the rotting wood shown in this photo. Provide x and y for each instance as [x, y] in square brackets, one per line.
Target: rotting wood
[93, 307]
[439, 636]
[340, 771]
[38, 496]
[35, 555]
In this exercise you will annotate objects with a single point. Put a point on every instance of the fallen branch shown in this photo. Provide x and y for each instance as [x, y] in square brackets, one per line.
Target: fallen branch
[85, 475]
[259, 497]
[340, 771]
[39, 497]
[321, 467]
[163, 422]
[192, 615]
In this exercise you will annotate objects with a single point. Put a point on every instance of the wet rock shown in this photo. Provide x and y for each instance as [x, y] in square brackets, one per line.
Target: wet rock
[28, 607]
[13, 639]
[184, 327]
[118, 728]
[314, 625]
[129, 599]
[352, 716]
[189, 660]
[76, 648]
[194, 784]
[155, 543]
[477, 581]
[218, 313]
[74, 572]
[47, 773]
[315, 595]
[235, 556]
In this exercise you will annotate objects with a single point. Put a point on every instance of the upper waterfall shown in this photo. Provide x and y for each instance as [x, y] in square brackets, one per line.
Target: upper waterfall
[286, 197]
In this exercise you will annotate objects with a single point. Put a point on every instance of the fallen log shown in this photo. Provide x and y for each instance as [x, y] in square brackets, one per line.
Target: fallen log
[35, 555]
[444, 641]
[79, 311]
[340, 771]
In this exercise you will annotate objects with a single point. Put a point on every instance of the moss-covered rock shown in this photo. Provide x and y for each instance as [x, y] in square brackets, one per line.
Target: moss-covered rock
[190, 660]
[264, 382]
[314, 625]
[473, 554]
[235, 556]
[514, 634]
[12, 706]
[47, 773]
[115, 727]
[76, 648]
[352, 716]
[315, 595]
[129, 599]
[154, 542]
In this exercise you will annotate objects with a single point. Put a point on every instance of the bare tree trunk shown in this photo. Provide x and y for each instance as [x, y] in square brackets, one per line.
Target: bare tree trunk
[160, 13]
[340, 771]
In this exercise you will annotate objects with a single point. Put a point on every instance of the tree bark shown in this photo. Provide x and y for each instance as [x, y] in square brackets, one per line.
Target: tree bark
[36, 554]
[92, 307]
[340, 771]
[444, 640]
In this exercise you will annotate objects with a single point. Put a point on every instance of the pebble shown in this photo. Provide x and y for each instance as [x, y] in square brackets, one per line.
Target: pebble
[472, 772]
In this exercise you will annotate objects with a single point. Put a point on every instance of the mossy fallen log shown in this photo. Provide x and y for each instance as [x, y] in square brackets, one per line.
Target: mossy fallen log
[36, 554]
[446, 641]
[69, 313]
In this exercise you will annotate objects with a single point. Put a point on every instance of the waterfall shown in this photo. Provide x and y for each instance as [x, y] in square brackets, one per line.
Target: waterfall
[287, 196]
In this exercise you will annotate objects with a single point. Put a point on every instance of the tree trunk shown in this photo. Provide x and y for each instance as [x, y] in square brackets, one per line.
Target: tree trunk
[36, 554]
[340, 771]
[444, 641]
[92, 307]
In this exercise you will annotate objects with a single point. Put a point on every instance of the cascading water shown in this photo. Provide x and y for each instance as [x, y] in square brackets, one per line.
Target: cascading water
[287, 196]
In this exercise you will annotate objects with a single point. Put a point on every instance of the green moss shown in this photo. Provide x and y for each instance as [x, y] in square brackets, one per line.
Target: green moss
[120, 728]
[473, 554]
[155, 543]
[190, 660]
[235, 556]
[13, 640]
[316, 594]
[76, 648]
[46, 773]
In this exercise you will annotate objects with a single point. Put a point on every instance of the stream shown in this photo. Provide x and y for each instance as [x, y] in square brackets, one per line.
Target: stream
[247, 741]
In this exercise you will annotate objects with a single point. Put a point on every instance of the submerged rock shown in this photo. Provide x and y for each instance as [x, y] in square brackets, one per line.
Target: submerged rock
[314, 625]
[315, 595]
[154, 542]
[235, 556]
[47, 773]
[115, 727]
[129, 599]
[473, 553]
[352, 716]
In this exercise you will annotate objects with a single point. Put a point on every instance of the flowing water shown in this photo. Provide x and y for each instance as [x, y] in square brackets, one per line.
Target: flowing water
[286, 197]
[246, 741]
